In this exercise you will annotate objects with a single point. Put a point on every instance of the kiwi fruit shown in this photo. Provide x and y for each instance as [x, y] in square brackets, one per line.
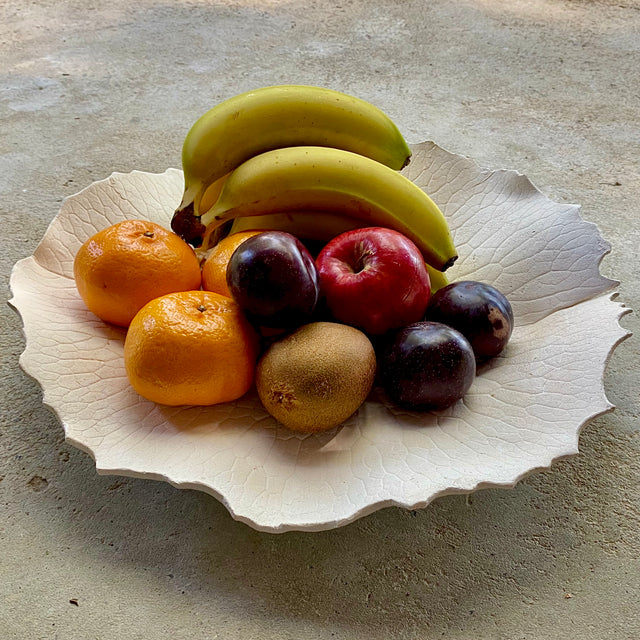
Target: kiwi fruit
[316, 377]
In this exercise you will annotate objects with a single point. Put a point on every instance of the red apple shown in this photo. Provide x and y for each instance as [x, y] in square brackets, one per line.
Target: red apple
[374, 279]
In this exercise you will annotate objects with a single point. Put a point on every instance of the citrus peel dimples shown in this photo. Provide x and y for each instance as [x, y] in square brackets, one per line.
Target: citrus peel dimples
[121, 268]
[191, 348]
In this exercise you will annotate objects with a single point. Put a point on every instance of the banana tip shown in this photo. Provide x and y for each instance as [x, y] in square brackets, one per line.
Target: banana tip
[449, 263]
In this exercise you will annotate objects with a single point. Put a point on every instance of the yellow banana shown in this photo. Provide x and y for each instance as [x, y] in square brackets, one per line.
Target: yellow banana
[306, 225]
[332, 180]
[436, 278]
[272, 118]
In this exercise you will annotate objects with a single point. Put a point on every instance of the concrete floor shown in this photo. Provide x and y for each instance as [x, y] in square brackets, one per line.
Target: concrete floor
[548, 87]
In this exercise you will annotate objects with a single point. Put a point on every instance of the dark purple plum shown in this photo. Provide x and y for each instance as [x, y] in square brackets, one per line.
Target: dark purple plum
[427, 365]
[478, 311]
[273, 277]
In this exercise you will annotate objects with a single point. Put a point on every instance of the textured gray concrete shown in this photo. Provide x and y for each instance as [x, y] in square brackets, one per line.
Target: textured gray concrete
[548, 87]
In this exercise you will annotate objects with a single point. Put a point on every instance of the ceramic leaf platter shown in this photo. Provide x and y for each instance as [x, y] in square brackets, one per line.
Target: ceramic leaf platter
[524, 410]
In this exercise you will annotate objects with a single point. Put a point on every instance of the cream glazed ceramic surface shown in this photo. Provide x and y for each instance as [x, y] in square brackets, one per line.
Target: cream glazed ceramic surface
[524, 410]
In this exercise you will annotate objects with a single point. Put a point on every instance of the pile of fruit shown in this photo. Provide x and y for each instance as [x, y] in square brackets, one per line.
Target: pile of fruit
[300, 260]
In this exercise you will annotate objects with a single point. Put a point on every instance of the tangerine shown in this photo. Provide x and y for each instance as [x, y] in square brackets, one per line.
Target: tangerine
[191, 348]
[121, 268]
[214, 270]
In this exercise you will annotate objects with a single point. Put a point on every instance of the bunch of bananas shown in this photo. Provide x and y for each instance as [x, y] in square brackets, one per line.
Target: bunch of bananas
[307, 160]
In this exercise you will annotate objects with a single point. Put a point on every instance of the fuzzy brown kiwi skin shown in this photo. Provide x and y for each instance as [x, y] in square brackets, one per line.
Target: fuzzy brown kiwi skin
[317, 377]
